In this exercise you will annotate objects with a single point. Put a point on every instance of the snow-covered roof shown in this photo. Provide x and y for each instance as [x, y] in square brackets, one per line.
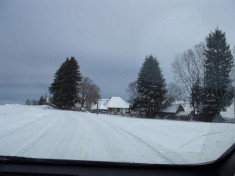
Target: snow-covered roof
[104, 101]
[171, 109]
[117, 102]
[184, 113]
[185, 104]
[229, 113]
[218, 118]
[100, 107]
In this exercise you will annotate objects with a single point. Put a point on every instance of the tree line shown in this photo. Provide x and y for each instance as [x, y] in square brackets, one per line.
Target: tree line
[42, 101]
[204, 75]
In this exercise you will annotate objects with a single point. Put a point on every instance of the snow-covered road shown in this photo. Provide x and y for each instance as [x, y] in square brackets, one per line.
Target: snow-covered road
[46, 133]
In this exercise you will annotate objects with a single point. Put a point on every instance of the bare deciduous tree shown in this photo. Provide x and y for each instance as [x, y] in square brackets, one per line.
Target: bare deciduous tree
[174, 92]
[189, 67]
[93, 96]
[132, 91]
[89, 92]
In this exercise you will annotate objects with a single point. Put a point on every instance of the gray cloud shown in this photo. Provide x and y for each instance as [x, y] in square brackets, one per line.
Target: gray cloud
[110, 39]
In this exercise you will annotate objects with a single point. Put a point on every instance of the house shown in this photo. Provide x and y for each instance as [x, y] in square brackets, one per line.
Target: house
[117, 105]
[185, 104]
[101, 108]
[112, 105]
[229, 114]
[78, 105]
[170, 112]
[184, 115]
[104, 101]
[218, 118]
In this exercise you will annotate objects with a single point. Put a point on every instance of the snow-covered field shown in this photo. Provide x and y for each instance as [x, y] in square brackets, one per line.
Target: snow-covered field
[38, 132]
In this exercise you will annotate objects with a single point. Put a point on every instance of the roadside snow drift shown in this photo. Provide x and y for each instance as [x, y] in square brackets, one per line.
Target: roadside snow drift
[38, 132]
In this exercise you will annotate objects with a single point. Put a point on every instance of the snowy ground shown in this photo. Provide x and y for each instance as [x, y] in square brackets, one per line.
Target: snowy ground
[47, 133]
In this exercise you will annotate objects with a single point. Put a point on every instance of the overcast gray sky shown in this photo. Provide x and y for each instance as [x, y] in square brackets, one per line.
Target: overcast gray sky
[109, 39]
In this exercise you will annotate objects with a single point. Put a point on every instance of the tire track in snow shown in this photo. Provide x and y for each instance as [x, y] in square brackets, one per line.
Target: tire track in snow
[120, 130]
[199, 137]
[30, 123]
[29, 142]
[204, 135]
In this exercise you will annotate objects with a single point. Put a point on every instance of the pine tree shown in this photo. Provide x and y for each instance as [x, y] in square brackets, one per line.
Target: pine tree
[64, 89]
[56, 88]
[42, 101]
[196, 98]
[218, 64]
[151, 88]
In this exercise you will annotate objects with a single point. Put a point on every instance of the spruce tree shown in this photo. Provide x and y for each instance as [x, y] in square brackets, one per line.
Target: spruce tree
[196, 98]
[151, 88]
[56, 88]
[64, 89]
[42, 101]
[218, 64]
